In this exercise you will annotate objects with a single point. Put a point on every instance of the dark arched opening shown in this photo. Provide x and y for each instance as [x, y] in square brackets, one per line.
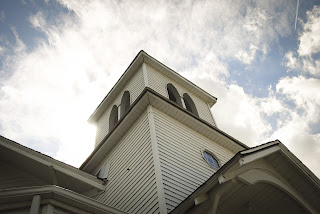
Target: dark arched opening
[125, 103]
[113, 119]
[174, 94]
[190, 106]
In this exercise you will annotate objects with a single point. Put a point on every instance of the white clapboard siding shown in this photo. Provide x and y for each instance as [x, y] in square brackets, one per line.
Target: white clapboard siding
[13, 177]
[158, 82]
[135, 86]
[183, 168]
[131, 185]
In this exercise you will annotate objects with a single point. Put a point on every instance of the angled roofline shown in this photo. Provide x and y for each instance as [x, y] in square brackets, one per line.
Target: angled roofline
[143, 57]
[214, 179]
[58, 193]
[48, 161]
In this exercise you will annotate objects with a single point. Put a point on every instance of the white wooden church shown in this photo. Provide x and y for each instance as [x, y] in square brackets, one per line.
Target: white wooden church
[158, 150]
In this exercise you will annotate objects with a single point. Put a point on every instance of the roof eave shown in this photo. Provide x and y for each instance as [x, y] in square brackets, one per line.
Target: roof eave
[60, 194]
[74, 173]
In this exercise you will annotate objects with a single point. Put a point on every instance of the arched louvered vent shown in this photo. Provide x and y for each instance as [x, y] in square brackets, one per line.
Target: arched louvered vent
[190, 106]
[113, 119]
[125, 103]
[174, 94]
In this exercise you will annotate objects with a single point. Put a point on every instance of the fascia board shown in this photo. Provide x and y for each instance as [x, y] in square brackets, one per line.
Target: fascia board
[258, 154]
[71, 171]
[260, 147]
[59, 194]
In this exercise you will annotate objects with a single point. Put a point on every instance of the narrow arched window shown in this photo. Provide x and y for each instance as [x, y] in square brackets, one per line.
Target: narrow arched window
[125, 103]
[190, 106]
[113, 119]
[174, 94]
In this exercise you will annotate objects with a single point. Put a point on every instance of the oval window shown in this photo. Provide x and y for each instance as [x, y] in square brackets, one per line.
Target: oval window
[210, 159]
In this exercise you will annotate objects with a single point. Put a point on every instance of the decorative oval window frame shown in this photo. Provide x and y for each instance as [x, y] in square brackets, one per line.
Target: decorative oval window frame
[214, 156]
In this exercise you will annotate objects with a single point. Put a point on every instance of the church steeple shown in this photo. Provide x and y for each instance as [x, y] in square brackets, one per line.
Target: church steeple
[157, 139]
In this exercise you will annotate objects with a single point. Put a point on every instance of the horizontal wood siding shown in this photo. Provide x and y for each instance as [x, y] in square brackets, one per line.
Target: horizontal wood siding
[182, 165]
[13, 177]
[135, 86]
[131, 185]
[158, 82]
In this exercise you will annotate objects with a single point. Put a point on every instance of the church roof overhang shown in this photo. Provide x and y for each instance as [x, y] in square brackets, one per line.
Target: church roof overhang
[268, 163]
[143, 57]
[67, 199]
[151, 97]
[48, 169]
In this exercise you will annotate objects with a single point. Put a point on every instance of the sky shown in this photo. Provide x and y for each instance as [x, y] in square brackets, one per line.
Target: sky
[261, 59]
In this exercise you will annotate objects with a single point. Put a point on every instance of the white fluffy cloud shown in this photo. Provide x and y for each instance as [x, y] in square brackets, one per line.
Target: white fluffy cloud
[305, 58]
[300, 129]
[55, 88]
[310, 37]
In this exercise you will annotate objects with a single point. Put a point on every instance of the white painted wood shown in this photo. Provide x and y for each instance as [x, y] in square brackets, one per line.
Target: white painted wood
[182, 165]
[35, 205]
[131, 185]
[155, 151]
[47, 209]
[258, 155]
[145, 74]
[201, 198]
[104, 171]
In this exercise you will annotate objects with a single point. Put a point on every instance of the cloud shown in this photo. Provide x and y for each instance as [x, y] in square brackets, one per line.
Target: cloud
[306, 59]
[310, 37]
[38, 21]
[2, 16]
[301, 91]
[301, 94]
[55, 87]
[19, 47]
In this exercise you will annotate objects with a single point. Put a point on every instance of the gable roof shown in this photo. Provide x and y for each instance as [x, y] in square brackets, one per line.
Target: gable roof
[278, 156]
[47, 169]
[143, 57]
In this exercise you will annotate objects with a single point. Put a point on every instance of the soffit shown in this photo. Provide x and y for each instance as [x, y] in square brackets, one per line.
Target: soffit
[46, 168]
[296, 177]
[258, 198]
[50, 194]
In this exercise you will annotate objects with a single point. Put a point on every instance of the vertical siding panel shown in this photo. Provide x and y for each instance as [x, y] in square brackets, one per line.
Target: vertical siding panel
[182, 165]
[135, 86]
[158, 82]
[131, 183]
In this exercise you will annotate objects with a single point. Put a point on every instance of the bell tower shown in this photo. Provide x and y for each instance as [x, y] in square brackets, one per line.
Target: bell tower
[156, 139]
